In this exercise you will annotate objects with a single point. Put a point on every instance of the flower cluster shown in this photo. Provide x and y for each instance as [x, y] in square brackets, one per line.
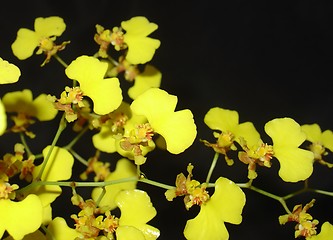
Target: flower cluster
[93, 100]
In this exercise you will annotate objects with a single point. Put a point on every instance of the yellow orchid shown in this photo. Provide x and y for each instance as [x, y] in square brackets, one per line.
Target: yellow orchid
[225, 205]
[9, 73]
[45, 32]
[3, 118]
[176, 127]
[22, 102]
[141, 48]
[296, 164]
[227, 121]
[326, 232]
[320, 140]
[20, 218]
[89, 72]
[149, 78]
[136, 210]
[124, 169]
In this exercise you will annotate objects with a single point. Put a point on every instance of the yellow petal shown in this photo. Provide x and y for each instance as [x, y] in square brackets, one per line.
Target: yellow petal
[285, 132]
[3, 118]
[106, 95]
[326, 232]
[136, 210]
[248, 132]
[221, 119]
[124, 169]
[104, 140]
[45, 110]
[312, 131]
[327, 139]
[89, 72]
[154, 103]
[295, 164]
[226, 205]
[50, 26]
[9, 73]
[141, 48]
[19, 101]
[31, 236]
[178, 129]
[25, 43]
[20, 218]
[128, 233]
[59, 165]
[60, 230]
[150, 77]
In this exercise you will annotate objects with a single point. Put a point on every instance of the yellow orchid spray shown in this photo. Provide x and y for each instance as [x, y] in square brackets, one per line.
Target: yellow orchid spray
[94, 178]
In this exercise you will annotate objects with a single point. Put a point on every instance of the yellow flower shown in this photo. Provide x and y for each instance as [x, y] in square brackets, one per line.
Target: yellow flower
[46, 30]
[136, 210]
[176, 127]
[225, 205]
[3, 118]
[320, 140]
[296, 164]
[124, 169]
[89, 72]
[20, 218]
[22, 102]
[227, 121]
[141, 48]
[326, 232]
[149, 78]
[9, 73]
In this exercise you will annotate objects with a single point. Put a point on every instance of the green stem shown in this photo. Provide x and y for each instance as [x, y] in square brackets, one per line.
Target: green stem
[156, 184]
[62, 126]
[59, 59]
[78, 157]
[270, 195]
[76, 138]
[212, 166]
[24, 142]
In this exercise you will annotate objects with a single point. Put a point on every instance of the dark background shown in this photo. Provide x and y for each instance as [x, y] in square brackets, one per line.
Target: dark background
[265, 60]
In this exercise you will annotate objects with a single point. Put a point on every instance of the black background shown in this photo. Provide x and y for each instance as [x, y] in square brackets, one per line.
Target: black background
[265, 60]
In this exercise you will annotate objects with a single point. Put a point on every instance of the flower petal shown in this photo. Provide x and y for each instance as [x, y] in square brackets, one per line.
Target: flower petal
[60, 230]
[50, 26]
[59, 165]
[141, 48]
[9, 73]
[136, 210]
[154, 103]
[327, 139]
[24, 45]
[104, 140]
[326, 232]
[296, 164]
[20, 218]
[89, 72]
[226, 205]
[129, 232]
[124, 169]
[178, 129]
[221, 119]
[312, 131]
[19, 101]
[45, 109]
[3, 118]
[150, 77]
